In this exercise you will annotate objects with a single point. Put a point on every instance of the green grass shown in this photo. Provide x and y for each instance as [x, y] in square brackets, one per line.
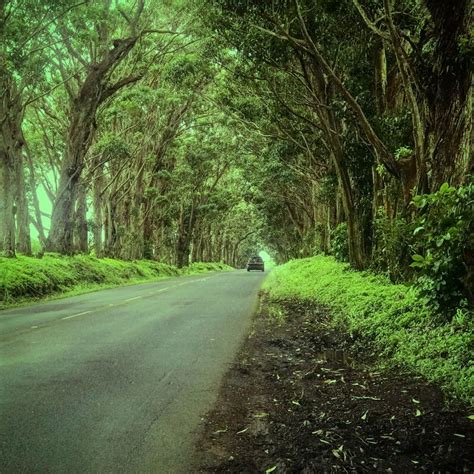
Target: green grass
[26, 278]
[393, 318]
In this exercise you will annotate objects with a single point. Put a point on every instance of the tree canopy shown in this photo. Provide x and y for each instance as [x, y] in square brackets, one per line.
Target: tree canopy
[209, 130]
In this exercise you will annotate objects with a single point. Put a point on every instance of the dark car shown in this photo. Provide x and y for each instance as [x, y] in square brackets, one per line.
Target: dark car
[255, 263]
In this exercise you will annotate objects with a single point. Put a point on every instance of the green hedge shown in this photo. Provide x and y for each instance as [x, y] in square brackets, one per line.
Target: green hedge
[26, 277]
[393, 317]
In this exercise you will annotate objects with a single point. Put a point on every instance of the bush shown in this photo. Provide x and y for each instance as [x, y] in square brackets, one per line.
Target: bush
[390, 252]
[445, 240]
[339, 243]
[396, 319]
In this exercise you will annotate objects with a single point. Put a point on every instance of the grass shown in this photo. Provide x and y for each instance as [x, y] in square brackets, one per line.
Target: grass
[393, 318]
[25, 278]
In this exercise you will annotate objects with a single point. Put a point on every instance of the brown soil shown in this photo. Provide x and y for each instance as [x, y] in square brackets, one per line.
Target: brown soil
[301, 398]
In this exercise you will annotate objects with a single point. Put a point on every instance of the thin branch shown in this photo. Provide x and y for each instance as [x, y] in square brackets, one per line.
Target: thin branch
[372, 26]
[45, 26]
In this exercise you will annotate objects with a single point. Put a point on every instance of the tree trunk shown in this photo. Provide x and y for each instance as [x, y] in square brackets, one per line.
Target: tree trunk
[11, 142]
[97, 188]
[449, 92]
[7, 213]
[187, 223]
[81, 219]
[92, 93]
[38, 220]
[22, 214]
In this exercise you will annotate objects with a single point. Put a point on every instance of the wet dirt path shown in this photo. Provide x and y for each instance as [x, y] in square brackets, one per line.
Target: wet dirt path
[301, 398]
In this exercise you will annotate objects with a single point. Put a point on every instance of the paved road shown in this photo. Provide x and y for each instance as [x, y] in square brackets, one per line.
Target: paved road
[117, 380]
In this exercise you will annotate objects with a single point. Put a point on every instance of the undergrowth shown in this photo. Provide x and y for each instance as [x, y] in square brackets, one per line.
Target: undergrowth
[394, 318]
[24, 278]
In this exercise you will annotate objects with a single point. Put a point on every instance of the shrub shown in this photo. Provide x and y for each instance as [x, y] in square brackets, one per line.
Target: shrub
[445, 240]
[392, 240]
[339, 243]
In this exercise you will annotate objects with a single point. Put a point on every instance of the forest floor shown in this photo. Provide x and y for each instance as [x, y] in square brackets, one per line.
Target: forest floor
[303, 397]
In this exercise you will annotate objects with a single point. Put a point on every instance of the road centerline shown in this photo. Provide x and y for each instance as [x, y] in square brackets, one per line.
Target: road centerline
[76, 315]
[134, 298]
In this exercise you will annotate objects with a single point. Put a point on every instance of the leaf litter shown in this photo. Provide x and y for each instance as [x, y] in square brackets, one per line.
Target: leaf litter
[365, 424]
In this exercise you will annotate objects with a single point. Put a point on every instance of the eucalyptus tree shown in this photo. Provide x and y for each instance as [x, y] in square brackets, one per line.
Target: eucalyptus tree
[25, 28]
[95, 43]
[358, 80]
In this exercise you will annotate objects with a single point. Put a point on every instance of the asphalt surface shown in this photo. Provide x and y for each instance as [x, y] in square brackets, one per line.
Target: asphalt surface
[118, 380]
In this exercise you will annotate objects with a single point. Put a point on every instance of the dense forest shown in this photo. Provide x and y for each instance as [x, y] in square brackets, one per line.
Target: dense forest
[207, 130]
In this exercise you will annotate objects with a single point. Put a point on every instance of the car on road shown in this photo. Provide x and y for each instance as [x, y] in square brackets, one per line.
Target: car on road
[255, 263]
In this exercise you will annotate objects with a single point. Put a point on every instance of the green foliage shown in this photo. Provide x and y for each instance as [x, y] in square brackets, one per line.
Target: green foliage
[339, 243]
[25, 277]
[392, 238]
[444, 233]
[403, 152]
[396, 319]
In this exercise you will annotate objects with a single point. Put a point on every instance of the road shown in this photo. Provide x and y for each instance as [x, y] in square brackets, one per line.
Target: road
[118, 380]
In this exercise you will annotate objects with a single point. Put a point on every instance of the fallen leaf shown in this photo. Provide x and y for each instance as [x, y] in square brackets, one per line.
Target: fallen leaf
[296, 403]
[459, 435]
[242, 431]
[377, 399]
[364, 416]
[471, 417]
[270, 469]
[260, 415]
[220, 431]
[418, 413]
[414, 400]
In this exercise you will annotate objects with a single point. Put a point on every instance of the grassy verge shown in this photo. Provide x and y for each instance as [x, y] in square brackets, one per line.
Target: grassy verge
[394, 318]
[24, 278]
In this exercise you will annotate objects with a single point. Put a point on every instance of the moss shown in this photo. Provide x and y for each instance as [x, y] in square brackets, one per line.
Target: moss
[24, 278]
[394, 318]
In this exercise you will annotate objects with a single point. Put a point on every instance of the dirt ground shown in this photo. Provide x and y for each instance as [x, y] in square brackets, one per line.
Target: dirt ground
[304, 398]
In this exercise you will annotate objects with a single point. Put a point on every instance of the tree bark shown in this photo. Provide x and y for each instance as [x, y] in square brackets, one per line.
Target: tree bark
[97, 204]
[449, 92]
[38, 220]
[81, 226]
[22, 214]
[11, 142]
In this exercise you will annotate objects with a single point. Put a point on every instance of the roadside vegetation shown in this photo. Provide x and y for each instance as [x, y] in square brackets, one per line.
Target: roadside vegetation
[395, 320]
[25, 278]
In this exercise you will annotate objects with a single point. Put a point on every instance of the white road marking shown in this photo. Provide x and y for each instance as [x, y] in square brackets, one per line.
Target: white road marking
[135, 298]
[76, 315]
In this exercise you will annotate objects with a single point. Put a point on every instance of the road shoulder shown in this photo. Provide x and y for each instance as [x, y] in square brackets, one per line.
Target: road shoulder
[302, 397]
